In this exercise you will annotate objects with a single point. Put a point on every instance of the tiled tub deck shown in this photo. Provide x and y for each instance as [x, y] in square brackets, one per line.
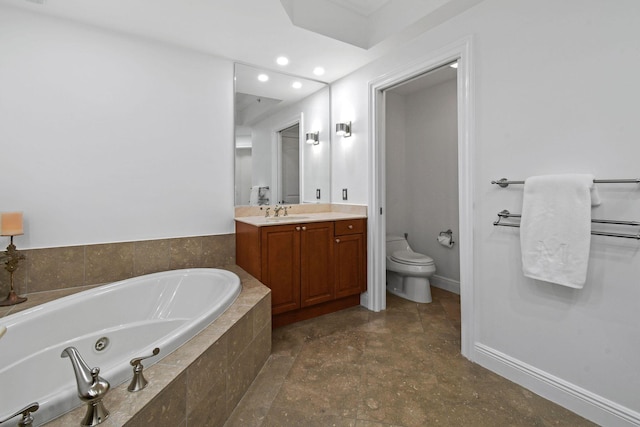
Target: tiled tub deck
[201, 382]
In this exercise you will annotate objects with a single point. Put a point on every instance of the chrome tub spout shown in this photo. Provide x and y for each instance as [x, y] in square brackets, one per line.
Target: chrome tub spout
[91, 388]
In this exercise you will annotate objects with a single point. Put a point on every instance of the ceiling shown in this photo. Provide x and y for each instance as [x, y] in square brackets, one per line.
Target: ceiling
[338, 35]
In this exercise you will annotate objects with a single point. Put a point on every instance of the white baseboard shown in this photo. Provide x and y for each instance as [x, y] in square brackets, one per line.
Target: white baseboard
[445, 283]
[583, 402]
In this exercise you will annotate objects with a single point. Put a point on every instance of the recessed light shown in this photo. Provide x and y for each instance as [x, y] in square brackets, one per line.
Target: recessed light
[263, 77]
[318, 71]
[454, 65]
[296, 85]
[282, 60]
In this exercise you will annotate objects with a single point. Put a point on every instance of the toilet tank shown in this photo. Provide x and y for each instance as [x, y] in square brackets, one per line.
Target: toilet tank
[396, 243]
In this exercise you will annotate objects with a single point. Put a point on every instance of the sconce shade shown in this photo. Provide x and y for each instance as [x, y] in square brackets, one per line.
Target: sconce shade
[11, 224]
[313, 138]
[343, 129]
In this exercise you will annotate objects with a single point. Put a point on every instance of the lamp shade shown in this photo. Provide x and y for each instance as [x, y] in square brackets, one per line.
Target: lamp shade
[11, 224]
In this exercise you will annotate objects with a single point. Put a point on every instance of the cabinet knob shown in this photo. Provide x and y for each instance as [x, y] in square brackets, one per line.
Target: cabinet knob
[304, 228]
[297, 228]
[337, 240]
[350, 227]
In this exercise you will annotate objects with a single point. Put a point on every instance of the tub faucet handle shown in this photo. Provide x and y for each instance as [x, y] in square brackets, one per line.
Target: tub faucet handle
[138, 382]
[27, 419]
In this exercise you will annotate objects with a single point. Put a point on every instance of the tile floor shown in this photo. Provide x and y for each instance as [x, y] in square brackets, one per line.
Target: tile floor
[400, 367]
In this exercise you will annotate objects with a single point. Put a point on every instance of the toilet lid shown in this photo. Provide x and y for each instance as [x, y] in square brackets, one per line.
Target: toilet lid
[413, 258]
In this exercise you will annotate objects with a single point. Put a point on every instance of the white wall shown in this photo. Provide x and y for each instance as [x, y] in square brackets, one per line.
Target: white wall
[108, 138]
[422, 186]
[555, 91]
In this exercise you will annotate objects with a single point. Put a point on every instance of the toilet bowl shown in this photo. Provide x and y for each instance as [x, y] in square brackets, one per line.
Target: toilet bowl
[408, 272]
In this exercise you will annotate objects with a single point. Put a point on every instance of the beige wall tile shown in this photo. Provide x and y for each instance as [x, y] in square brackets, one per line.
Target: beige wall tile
[218, 251]
[151, 256]
[109, 262]
[168, 409]
[261, 348]
[239, 377]
[211, 411]
[262, 314]
[240, 335]
[55, 268]
[186, 253]
[207, 371]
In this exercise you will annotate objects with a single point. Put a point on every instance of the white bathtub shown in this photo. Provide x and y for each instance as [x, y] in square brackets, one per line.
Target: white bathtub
[136, 315]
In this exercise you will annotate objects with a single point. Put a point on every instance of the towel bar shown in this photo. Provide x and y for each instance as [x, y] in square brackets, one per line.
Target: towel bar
[504, 182]
[506, 214]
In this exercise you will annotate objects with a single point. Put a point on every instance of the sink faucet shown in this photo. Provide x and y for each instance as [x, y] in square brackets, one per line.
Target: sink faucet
[276, 211]
[91, 388]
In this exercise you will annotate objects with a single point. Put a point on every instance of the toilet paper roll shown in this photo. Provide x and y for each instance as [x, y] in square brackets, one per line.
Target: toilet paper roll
[445, 240]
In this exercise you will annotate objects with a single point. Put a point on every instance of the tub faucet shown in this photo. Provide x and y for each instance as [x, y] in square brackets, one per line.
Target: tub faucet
[27, 418]
[91, 388]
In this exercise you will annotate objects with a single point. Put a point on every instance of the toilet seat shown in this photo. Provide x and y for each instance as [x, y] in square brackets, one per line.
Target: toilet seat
[411, 258]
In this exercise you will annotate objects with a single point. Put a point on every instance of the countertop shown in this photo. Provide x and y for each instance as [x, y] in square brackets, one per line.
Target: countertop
[262, 221]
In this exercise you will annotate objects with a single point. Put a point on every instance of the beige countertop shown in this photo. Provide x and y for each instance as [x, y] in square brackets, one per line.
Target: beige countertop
[297, 218]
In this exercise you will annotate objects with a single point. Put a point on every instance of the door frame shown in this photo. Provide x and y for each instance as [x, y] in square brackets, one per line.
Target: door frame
[375, 297]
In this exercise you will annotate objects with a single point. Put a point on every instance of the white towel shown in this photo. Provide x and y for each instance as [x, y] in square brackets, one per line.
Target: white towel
[555, 228]
[253, 196]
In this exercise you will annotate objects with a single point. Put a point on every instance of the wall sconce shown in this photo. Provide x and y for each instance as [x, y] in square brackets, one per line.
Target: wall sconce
[11, 225]
[313, 138]
[343, 129]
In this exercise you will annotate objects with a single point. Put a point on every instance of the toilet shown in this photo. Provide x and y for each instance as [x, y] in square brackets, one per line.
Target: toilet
[408, 272]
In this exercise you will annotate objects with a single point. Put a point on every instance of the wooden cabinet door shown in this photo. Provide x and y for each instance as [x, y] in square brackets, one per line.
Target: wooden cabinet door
[350, 265]
[316, 263]
[280, 254]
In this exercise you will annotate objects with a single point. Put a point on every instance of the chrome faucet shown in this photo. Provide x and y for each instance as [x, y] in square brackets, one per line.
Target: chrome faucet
[276, 211]
[91, 388]
[27, 418]
[138, 382]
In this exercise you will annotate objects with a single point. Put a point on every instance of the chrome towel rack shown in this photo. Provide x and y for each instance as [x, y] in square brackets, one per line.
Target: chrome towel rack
[504, 182]
[506, 214]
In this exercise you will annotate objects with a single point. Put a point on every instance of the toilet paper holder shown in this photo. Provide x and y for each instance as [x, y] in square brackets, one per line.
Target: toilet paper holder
[448, 234]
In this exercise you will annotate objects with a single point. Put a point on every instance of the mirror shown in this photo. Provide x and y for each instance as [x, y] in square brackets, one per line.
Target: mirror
[275, 164]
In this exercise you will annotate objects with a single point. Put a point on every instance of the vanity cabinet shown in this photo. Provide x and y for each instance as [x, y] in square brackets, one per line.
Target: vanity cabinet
[297, 264]
[350, 257]
[312, 268]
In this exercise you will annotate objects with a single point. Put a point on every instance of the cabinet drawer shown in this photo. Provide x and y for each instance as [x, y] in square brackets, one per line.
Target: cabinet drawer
[352, 226]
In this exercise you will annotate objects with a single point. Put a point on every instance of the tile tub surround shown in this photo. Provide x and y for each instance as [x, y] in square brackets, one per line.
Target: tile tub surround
[59, 268]
[201, 382]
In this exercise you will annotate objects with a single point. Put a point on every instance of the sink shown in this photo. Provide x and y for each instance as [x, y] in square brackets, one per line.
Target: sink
[285, 218]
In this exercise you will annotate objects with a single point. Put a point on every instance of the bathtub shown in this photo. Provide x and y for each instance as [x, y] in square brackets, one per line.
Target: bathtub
[109, 326]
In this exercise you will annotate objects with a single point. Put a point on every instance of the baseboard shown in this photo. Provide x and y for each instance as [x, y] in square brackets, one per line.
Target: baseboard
[583, 402]
[445, 283]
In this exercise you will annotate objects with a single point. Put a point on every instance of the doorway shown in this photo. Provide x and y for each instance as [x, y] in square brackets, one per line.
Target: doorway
[375, 297]
[289, 162]
[421, 167]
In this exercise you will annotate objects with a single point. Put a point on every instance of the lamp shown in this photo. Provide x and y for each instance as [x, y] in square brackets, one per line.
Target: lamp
[313, 138]
[11, 225]
[343, 129]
